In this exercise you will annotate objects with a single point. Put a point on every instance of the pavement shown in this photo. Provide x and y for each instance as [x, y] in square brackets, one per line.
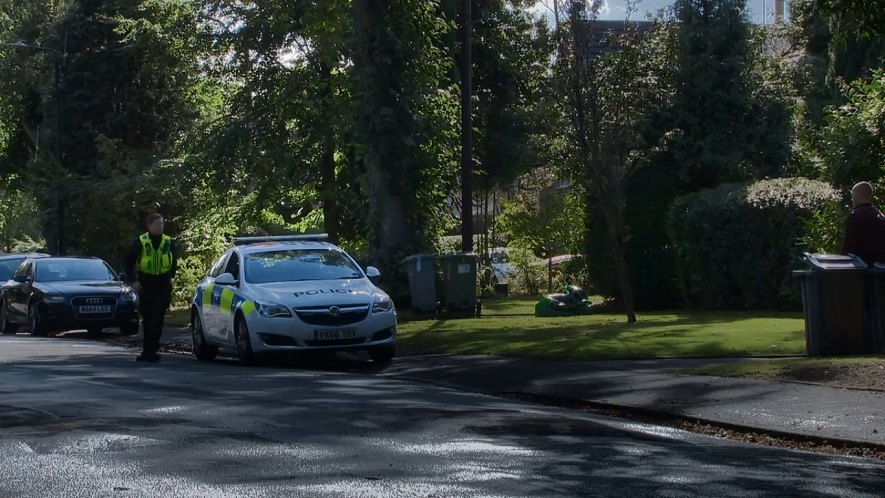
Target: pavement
[815, 412]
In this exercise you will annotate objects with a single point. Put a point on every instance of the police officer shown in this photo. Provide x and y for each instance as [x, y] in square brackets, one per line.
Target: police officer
[153, 259]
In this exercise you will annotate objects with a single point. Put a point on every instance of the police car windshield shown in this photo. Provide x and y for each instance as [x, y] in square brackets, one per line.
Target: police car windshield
[73, 269]
[294, 265]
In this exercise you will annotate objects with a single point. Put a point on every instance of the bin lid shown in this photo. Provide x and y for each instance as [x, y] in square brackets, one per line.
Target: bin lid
[459, 255]
[414, 257]
[835, 262]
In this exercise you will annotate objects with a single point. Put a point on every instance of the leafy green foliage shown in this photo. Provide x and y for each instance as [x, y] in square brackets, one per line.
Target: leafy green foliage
[736, 244]
[825, 229]
[542, 218]
[852, 145]
[404, 130]
[102, 90]
[509, 75]
[20, 228]
[529, 273]
[722, 130]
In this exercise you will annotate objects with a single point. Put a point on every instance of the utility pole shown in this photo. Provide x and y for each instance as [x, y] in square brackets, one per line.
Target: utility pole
[556, 15]
[466, 130]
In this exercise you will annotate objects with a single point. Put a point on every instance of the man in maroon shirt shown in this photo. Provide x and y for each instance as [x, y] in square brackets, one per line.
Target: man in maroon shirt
[865, 228]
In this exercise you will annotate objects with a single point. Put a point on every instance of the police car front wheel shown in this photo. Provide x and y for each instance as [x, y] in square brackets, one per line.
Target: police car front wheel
[244, 341]
[202, 350]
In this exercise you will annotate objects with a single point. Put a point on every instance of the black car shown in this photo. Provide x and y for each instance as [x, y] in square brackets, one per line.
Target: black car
[52, 294]
[9, 262]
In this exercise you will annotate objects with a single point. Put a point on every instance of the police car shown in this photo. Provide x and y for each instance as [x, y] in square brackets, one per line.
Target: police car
[290, 293]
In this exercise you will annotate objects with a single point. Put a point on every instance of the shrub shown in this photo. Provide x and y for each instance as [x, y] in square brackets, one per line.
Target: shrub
[736, 244]
[191, 269]
[530, 274]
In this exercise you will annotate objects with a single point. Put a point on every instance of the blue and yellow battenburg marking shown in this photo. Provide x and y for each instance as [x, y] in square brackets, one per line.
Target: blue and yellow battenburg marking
[223, 298]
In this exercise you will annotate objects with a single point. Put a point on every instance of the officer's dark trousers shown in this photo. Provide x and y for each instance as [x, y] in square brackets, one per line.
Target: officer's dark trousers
[153, 303]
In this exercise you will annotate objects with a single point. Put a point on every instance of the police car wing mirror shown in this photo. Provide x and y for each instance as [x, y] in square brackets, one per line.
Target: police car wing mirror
[372, 272]
[226, 279]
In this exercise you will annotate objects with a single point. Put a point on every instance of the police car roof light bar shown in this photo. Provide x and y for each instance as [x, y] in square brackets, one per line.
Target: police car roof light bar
[280, 238]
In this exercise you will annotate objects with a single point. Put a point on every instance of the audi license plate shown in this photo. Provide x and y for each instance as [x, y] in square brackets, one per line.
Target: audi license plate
[334, 334]
[95, 309]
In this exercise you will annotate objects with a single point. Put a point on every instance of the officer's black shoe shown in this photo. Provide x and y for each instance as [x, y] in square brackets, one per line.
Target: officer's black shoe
[153, 358]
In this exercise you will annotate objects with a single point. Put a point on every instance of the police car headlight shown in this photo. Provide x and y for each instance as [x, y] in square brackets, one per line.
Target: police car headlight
[49, 298]
[128, 295]
[273, 310]
[382, 304]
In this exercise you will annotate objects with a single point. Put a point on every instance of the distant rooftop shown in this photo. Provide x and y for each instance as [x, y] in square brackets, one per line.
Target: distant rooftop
[603, 31]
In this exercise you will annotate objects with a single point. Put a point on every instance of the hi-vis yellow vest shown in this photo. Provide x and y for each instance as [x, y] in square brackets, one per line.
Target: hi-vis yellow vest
[155, 261]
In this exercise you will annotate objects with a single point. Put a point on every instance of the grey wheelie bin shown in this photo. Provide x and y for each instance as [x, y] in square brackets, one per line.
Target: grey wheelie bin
[876, 333]
[833, 296]
[422, 282]
[459, 280]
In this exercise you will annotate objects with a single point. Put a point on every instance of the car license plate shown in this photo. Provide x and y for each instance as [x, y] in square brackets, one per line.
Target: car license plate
[334, 334]
[95, 309]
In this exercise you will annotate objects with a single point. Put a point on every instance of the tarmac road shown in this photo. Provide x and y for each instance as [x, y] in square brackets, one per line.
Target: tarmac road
[79, 418]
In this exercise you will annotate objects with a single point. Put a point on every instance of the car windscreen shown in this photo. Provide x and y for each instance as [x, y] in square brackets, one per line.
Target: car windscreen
[294, 265]
[500, 257]
[8, 267]
[74, 269]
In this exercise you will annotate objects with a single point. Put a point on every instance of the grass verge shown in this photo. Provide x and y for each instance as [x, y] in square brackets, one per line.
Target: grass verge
[508, 328]
[180, 317]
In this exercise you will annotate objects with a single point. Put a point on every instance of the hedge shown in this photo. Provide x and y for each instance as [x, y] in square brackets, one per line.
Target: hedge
[737, 244]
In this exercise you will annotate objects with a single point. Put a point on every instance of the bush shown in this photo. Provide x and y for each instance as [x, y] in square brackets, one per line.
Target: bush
[529, 273]
[191, 270]
[737, 244]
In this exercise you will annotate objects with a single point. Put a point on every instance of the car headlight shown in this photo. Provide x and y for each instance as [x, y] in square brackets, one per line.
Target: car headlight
[49, 298]
[128, 295]
[273, 310]
[382, 304]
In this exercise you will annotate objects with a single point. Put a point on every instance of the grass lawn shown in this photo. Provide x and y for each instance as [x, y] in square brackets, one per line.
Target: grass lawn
[178, 316]
[508, 328]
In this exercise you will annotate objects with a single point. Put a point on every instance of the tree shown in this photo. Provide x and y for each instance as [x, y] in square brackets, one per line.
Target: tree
[405, 127]
[120, 74]
[510, 61]
[609, 100]
[720, 130]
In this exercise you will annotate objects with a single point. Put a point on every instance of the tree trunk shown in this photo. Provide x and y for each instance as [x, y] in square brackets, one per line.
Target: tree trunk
[327, 161]
[614, 219]
[393, 233]
[327, 188]
[620, 261]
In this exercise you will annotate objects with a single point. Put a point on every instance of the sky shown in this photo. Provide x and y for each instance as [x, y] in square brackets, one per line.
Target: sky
[614, 9]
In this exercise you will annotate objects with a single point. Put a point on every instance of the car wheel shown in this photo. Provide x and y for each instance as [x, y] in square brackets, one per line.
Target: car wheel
[35, 324]
[5, 327]
[244, 342]
[202, 350]
[93, 331]
[383, 354]
[130, 328]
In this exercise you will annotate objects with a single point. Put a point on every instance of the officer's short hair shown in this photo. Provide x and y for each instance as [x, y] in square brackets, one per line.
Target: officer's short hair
[153, 217]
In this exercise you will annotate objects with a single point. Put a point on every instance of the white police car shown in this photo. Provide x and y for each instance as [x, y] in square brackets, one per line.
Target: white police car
[291, 293]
